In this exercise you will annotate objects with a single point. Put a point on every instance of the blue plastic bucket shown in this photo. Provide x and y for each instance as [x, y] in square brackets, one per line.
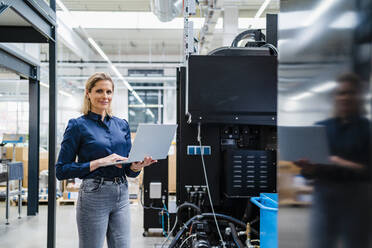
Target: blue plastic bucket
[268, 204]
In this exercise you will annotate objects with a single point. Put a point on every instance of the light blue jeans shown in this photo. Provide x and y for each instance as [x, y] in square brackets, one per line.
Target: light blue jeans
[103, 211]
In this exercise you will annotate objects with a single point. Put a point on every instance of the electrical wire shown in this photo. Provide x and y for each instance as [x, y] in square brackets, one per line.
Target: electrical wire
[169, 233]
[206, 181]
[273, 48]
[162, 220]
[179, 208]
[187, 239]
[148, 207]
[162, 224]
[222, 217]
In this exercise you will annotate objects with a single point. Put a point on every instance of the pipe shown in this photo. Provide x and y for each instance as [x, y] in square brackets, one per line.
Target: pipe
[203, 216]
[234, 235]
[166, 10]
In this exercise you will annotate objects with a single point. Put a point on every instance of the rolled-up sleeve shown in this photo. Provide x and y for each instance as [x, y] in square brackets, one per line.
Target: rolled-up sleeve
[128, 171]
[66, 166]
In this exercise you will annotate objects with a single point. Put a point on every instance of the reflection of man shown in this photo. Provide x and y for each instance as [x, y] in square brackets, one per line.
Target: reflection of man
[340, 210]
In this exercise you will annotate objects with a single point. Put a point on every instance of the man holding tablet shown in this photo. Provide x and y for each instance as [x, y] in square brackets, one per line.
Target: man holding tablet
[340, 212]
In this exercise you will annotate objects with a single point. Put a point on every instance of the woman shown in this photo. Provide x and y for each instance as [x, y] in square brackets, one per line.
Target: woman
[98, 139]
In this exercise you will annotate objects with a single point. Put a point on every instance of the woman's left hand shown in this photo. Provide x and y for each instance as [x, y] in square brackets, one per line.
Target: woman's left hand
[137, 166]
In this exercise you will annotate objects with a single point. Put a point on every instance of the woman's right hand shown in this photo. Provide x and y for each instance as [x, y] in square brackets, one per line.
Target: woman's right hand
[106, 161]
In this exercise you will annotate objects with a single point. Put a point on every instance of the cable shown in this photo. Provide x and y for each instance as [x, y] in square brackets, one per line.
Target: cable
[150, 207]
[162, 220]
[169, 233]
[203, 216]
[191, 236]
[273, 48]
[179, 208]
[235, 237]
[162, 224]
[206, 181]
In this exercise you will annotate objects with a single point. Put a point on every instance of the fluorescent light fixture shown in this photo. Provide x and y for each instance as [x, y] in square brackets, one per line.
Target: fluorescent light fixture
[149, 112]
[44, 85]
[347, 20]
[66, 14]
[301, 96]
[62, 6]
[60, 91]
[118, 74]
[320, 10]
[116, 71]
[129, 87]
[137, 97]
[324, 87]
[64, 93]
[262, 8]
[98, 49]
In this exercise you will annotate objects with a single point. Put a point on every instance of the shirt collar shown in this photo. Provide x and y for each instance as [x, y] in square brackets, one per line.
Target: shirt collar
[349, 120]
[93, 116]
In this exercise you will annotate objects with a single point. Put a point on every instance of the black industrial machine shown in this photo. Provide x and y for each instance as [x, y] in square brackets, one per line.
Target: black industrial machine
[226, 140]
[154, 197]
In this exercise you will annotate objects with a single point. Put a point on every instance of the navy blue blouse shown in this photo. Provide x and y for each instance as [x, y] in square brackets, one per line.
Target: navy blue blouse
[90, 138]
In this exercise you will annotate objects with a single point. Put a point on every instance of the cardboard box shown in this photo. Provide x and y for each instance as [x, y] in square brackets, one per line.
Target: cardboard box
[70, 195]
[72, 187]
[21, 153]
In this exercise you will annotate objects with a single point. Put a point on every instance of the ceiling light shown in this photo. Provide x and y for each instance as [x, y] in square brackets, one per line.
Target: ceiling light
[62, 6]
[324, 87]
[44, 85]
[347, 20]
[98, 49]
[301, 96]
[262, 8]
[322, 8]
[64, 93]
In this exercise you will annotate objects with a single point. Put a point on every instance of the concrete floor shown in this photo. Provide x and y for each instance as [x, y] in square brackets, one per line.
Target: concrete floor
[31, 232]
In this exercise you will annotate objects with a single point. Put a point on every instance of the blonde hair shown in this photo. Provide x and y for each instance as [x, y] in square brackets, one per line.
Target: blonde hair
[89, 85]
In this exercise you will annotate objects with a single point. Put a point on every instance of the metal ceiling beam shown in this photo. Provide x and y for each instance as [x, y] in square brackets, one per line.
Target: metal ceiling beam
[21, 34]
[128, 65]
[17, 61]
[35, 12]
[73, 41]
[131, 79]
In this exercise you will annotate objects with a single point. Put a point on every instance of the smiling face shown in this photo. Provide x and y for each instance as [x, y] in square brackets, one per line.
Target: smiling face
[100, 96]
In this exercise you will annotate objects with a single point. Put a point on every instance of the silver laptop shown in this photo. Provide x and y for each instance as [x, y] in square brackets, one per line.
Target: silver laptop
[303, 142]
[152, 140]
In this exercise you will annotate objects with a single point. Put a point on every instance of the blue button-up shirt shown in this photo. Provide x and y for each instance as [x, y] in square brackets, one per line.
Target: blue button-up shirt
[89, 138]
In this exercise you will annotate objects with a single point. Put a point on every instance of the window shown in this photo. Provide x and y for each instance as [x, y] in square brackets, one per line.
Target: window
[152, 96]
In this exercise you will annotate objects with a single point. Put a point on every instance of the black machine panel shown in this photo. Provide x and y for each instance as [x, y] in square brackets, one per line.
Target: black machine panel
[258, 142]
[157, 173]
[233, 89]
[249, 172]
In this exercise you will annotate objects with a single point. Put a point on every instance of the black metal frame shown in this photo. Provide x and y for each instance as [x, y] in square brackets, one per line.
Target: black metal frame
[43, 21]
[31, 70]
